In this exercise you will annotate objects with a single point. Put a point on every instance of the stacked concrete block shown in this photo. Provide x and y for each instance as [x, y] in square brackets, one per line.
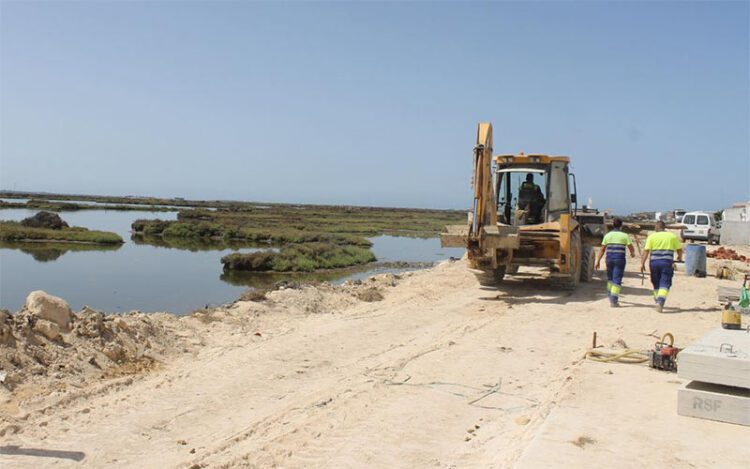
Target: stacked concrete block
[718, 367]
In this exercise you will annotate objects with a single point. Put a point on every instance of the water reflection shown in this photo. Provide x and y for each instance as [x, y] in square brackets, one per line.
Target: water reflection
[46, 252]
[195, 245]
[269, 279]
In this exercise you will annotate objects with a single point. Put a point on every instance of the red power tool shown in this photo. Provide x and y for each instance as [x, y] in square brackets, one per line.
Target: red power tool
[664, 355]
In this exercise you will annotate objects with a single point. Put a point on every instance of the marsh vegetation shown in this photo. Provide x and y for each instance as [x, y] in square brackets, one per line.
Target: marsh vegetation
[306, 257]
[16, 231]
[306, 237]
[59, 206]
[310, 237]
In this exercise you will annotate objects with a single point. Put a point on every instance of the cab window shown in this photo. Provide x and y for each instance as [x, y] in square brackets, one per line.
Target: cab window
[702, 220]
[689, 220]
[558, 187]
[513, 195]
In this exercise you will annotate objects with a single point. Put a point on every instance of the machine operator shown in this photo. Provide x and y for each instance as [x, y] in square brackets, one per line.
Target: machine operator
[530, 198]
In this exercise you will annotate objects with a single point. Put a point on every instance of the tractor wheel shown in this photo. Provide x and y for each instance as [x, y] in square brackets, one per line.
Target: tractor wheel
[587, 263]
[574, 260]
[492, 277]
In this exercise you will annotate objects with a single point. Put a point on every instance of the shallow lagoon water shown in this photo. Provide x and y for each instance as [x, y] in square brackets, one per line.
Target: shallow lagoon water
[155, 278]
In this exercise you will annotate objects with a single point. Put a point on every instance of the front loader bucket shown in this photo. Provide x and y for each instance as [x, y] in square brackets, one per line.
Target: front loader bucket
[490, 237]
[500, 237]
[454, 236]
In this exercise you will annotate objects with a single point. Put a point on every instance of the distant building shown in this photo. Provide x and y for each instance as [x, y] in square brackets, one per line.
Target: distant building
[735, 227]
[737, 212]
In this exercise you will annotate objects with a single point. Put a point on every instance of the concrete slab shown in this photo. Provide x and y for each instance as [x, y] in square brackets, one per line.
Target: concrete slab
[714, 402]
[721, 357]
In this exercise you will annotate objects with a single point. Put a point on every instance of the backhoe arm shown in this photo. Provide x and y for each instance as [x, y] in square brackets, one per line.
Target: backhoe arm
[482, 237]
[483, 209]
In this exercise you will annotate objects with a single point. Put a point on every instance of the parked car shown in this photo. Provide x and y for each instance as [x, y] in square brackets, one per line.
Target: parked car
[701, 226]
[678, 214]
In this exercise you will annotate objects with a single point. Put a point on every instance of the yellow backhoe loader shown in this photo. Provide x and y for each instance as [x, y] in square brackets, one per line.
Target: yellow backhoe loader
[525, 213]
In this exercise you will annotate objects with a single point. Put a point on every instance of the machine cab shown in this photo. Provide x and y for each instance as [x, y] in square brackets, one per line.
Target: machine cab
[532, 189]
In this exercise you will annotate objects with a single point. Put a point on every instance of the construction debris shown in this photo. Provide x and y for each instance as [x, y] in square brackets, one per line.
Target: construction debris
[727, 254]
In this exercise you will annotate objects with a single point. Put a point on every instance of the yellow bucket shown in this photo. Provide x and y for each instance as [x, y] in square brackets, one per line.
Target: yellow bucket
[731, 319]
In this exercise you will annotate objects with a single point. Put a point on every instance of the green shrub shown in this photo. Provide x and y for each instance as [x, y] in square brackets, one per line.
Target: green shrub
[150, 227]
[299, 258]
[193, 230]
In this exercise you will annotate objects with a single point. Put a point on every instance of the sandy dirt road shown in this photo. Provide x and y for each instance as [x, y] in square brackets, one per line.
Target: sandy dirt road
[438, 374]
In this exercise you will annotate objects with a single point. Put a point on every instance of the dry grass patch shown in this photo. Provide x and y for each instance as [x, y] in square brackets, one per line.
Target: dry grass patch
[583, 440]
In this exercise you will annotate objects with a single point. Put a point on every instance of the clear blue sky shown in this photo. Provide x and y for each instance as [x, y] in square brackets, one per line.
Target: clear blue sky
[374, 103]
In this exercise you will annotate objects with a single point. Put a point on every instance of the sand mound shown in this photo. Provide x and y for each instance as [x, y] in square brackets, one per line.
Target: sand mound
[47, 340]
[326, 298]
[298, 298]
[51, 356]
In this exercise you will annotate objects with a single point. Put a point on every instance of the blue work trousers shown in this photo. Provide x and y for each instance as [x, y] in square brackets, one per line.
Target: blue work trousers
[615, 271]
[662, 271]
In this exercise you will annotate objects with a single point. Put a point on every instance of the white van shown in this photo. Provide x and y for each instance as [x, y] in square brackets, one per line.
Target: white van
[700, 226]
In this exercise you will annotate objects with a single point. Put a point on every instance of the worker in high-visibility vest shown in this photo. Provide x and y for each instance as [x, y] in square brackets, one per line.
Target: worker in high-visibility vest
[615, 243]
[660, 247]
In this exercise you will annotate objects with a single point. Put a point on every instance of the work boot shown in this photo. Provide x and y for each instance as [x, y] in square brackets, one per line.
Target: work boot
[614, 304]
[659, 308]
